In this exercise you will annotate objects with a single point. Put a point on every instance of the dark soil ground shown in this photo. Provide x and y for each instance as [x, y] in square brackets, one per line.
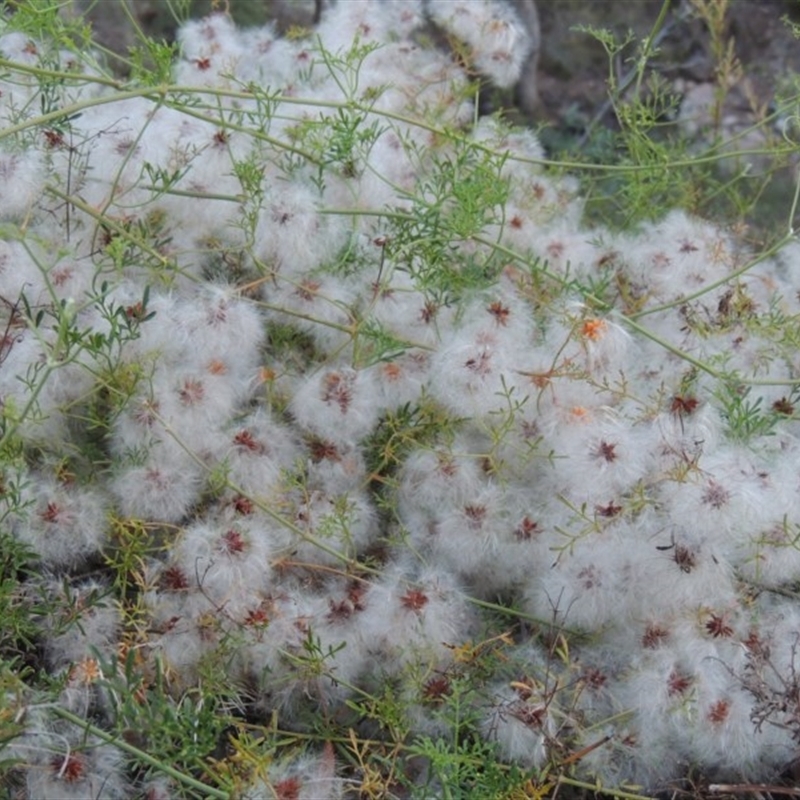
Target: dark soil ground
[574, 68]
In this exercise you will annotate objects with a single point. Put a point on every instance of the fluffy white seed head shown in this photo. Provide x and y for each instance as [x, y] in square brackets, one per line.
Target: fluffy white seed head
[337, 404]
[498, 42]
[65, 524]
[22, 175]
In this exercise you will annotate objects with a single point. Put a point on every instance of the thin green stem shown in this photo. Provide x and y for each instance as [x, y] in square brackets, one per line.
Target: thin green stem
[140, 755]
[517, 614]
[695, 362]
[73, 109]
[171, 90]
[763, 256]
[226, 198]
[367, 212]
[650, 44]
[793, 209]
[282, 520]
[597, 788]
[112, 192]
[11, 430]
[60, 75]
[630, 320]
[252, 132]
[542, 270]
[111, 224]
[133, 21]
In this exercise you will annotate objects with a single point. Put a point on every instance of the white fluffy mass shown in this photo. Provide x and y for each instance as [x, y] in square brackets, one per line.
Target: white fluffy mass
[339, 429]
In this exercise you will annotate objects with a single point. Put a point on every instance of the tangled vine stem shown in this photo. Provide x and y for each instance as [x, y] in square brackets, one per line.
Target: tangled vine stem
[365, 421]
[140, 755]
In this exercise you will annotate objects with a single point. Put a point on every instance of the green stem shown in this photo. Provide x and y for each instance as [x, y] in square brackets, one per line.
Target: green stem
[255, 134]
[368, 212]
[650, 43]
[227, 198]
[111, 224]
[598, 789]
[509, 253]
[793, 209]
[167, 90]
[517, 614]
[59, 75]
[140, 755]
[695, 362]
[721, 282]
[12, 430]
[71, 110]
